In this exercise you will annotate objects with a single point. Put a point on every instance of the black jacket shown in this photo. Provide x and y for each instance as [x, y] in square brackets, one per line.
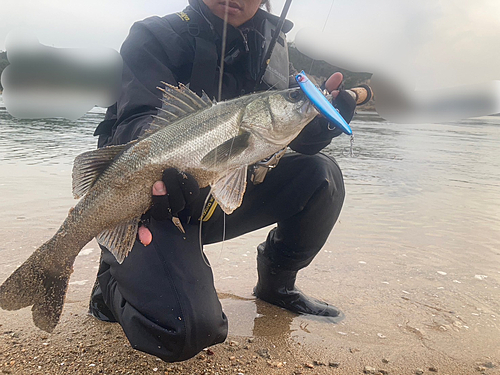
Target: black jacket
[163, 49]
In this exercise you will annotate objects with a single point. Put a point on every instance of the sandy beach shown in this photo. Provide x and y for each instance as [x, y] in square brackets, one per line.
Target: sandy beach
[414, 263]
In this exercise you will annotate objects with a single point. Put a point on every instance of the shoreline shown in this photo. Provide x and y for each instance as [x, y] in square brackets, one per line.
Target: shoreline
[413, 262]
[83, 345]
[263, 339]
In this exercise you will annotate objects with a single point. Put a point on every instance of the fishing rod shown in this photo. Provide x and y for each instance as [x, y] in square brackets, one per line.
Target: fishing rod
[361, 94]
[272, 43]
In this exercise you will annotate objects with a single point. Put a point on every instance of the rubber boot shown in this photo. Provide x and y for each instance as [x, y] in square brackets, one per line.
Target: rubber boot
[277, 286]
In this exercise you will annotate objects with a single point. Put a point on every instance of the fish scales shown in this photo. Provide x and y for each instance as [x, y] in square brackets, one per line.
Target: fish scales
[194, 137]
[215, 143]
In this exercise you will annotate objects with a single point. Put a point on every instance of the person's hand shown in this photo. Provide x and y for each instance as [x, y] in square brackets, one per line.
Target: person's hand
[342, 100]
[171, 195]
[333, 83]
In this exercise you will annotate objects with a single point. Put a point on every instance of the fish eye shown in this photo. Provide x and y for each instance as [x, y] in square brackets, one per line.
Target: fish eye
[295, 95]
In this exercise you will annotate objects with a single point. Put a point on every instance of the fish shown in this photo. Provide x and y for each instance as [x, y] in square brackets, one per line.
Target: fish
[214, 142]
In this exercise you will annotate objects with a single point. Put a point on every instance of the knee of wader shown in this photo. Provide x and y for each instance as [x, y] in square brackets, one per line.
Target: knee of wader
[180, 341]
[167, 329]
[201, 332]
[324, 171]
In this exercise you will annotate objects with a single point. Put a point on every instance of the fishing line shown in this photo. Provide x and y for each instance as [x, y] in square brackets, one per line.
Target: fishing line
[348, 151]
[202, 215]
[223, 213]
[323, 29]
[223, 52]
[200, 240]
[221, 75]
[223, 233]
[272, 87]
[351, 151]
[219, 99]
[328, 16]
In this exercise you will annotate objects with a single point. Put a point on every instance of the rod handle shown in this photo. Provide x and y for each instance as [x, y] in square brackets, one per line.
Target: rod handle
[362, 94]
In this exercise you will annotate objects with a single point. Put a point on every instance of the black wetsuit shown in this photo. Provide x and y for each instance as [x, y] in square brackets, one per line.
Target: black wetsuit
[163, 295]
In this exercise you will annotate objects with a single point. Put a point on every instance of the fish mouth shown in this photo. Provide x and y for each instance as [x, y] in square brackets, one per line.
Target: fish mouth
[307, 107]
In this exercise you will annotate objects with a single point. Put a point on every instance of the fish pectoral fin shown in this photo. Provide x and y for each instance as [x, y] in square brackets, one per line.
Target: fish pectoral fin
[226, 151]
[228, 191]
[120, 240]
[89, 165]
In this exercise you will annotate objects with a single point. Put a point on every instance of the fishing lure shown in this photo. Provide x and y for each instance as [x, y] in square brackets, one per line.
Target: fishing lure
[321, 103]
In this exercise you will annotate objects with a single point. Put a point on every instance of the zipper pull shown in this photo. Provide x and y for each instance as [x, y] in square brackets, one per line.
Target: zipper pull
[245, 40]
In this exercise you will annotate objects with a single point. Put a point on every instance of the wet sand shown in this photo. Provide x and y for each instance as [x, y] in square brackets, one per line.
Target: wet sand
[414, 263]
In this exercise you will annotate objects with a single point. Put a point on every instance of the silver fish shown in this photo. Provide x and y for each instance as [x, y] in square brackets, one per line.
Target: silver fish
[213, 142]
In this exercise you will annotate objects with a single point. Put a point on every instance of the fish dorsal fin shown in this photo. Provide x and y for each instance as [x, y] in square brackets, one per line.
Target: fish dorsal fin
[183, 97]
[228, 191]
[89, 165]
[177, 102]
[120, 240]
[226, 151]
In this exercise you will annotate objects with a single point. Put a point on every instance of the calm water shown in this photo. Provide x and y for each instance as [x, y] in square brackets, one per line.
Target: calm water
[417, 244]
[410, 182]
[48, 141]
[414, 183]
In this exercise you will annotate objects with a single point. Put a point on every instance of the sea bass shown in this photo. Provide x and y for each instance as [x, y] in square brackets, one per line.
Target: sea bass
[214, 142]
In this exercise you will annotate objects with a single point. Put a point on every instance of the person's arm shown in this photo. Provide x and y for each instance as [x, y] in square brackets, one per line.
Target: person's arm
[152, 53]
[147, 61]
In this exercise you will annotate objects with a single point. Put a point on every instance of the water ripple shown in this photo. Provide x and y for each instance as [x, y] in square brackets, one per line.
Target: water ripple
[47, 141]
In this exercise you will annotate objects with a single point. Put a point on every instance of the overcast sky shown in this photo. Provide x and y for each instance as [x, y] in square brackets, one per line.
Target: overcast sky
[450, 31]
[63, 23]
[432, 43]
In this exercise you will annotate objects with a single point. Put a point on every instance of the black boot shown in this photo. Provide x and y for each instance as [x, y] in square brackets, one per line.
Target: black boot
[277, 287]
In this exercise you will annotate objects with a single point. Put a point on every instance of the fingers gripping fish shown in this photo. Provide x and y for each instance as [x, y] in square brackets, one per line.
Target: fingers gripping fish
[213, 142]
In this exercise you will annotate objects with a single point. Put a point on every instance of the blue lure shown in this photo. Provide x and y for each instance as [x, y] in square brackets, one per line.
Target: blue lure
[321, 103]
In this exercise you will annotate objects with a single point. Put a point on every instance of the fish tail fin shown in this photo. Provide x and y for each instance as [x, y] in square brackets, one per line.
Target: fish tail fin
[41, 281]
